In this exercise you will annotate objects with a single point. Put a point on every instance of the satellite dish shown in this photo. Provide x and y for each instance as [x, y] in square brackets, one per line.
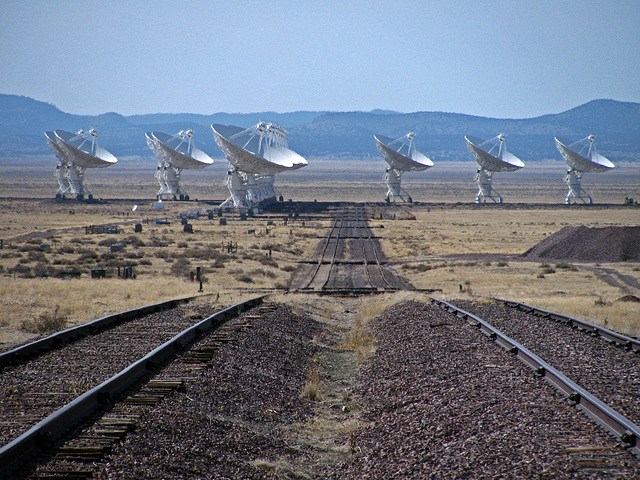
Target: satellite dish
[175, 153]
[76, 153]
[492, 156]
[82, 149]
[581, 157]
[261, 149]
[402, 156]
[256, 154]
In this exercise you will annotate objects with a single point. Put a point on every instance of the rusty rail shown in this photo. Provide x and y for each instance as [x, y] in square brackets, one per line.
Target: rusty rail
[52, 427]
[613, 422]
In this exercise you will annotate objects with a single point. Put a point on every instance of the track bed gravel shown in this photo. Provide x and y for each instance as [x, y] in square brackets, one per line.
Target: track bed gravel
[607, 371]
[31, 391]
[442, 401]
[227, 423]
[436, 400]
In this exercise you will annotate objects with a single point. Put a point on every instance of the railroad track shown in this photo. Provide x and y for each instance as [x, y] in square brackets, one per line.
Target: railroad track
[44, 397]
[349, 259]
[94, 440]
[607, 378]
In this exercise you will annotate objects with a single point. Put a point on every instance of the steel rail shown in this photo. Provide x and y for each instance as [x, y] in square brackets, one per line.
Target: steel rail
[326, 245]
[52, 427]
[628, 343]
[613, 422]
[375, 255]
[364, 253]
[56, 340]
[335, 251]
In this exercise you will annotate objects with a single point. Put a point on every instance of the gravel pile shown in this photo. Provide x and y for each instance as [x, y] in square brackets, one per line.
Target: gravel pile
[608, 244]
[445, 402]
[226, 424]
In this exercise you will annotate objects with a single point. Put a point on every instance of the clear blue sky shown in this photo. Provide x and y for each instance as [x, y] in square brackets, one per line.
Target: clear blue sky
[500, 58]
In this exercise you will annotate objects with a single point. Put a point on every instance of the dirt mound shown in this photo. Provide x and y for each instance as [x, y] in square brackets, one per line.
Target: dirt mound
[609, 244]
[629, 298]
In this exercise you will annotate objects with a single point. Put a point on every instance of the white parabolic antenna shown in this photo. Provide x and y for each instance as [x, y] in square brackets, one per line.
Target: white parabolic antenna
[175, 153]
[581, 157]
[77, 152]
[492, 156]
[402, 156]
[256, 154]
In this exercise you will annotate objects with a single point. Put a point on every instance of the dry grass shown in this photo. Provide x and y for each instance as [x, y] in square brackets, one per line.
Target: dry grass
[164, 256]
[312, 385]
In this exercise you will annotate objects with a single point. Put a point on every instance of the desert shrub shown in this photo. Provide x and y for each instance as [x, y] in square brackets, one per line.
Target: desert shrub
[566, 266]
[546, 269]
[133, 255]
[245, 279]
[34, 241]
[46, 322]
[41, 269]
[162, 254]
[183, 245]
[273, 247]
[87, 255]
[502, 264]
[107, 256]
[107, 242]
[29, 247]
[145, 262]
[180, 268]
[236, 271]
[37, 257]
[219, 263]
[66, 249]
[288, 268]
[134, 241]
[268, 261]
[23, 270]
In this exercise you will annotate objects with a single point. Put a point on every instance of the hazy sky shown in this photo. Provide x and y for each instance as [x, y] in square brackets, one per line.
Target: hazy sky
[499, 58]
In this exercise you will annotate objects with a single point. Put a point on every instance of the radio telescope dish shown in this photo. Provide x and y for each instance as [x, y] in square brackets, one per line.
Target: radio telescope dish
[175, 153]
[402, 156]
[77, 152]
[581, 157]
[491, 156]
[256, 154]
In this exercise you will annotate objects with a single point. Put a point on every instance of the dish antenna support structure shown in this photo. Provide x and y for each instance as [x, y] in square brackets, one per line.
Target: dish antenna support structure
[75, 153]
[402, 156]
[175, 153]
[255, 154]
[581, 157]
[491, 156]
[64, 186]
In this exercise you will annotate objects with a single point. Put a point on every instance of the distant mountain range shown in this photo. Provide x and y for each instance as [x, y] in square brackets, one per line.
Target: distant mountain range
[346, 135]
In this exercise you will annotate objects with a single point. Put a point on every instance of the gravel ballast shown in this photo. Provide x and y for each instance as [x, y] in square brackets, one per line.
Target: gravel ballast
[445, 402]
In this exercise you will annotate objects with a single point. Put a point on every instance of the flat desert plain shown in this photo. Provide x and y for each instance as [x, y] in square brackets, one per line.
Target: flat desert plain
[444, 244]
